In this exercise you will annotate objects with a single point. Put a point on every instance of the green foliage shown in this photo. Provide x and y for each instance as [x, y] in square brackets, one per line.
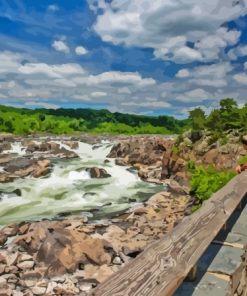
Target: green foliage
[242, 160]
[68, 121]
[227, 117]
[198, 119]
[204, 182]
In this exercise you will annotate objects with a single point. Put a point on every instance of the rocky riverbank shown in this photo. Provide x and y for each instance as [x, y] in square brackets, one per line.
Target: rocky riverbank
[72, 255]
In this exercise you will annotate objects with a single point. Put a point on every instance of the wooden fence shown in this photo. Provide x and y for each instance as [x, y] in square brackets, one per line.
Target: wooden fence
[164, 264]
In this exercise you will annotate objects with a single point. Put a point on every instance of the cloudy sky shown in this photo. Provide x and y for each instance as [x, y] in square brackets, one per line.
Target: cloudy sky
[136, 56]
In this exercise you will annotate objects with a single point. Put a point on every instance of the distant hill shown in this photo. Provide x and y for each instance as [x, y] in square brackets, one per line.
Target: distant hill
[69, 121]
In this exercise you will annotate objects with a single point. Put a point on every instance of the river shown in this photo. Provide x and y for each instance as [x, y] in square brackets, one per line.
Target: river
[68, 189]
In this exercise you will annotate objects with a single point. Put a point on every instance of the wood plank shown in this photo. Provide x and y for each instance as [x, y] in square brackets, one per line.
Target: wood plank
[164, 264]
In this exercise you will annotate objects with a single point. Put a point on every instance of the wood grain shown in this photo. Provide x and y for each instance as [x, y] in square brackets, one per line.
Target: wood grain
[163, 265]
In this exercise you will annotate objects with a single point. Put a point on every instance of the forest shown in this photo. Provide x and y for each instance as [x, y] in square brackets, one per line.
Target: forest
[227, 116]
[22, 121]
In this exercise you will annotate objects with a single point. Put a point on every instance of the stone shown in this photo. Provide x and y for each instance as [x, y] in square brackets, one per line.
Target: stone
[3, 238]
[26, 265]
[10, 230]
[98, 173]
[2, 268]
[2, 259]
[100, 273]
[38, 290]
[117, 261]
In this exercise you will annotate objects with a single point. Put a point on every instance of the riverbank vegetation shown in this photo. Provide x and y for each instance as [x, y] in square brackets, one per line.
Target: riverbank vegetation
[22, 121]
[206, 181]
[227, 117]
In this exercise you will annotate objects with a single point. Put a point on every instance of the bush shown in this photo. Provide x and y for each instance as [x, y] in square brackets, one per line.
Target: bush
[204, 182]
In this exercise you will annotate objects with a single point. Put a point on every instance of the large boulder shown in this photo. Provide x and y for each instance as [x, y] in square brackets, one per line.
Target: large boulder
[98, 173]
[143, 150]
[62, 250]
[22, 167]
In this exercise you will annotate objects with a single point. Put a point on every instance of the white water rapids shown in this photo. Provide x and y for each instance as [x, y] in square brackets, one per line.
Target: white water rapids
[69, 188]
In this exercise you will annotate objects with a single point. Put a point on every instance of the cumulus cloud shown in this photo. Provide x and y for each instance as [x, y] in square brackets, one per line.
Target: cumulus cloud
[9, 61]
[98, 94]
[53, 7]
[36, 82]
[239, 51]
[168, 26]
[57, 71]
[60, 45]
[115, 78]
[80, 50]
[210, 75]
[241, 78]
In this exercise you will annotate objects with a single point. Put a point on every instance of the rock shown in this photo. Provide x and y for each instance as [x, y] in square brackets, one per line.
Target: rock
[69, 249]
[143, 150]
[100, 273]
[98, 173]
[6, 291]
[5, 177]
[2, 259]
[175, 188]
[11, 269]
[10, 230]
[160, 198]
[12, 258]
[18, 164]
[121, 161]
[6, 137]
[38, 290]
[24, 257]
[71, 144]
[26, 265]
[2, 268]
[3, 238]
[117, 261]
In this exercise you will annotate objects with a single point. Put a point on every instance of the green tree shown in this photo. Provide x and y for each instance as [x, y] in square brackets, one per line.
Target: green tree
[198, 119]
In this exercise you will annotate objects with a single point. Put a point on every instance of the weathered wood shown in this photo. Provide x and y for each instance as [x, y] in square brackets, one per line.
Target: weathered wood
[163, 265]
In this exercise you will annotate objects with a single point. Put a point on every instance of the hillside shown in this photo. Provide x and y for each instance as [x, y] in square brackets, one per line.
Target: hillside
[68, 121]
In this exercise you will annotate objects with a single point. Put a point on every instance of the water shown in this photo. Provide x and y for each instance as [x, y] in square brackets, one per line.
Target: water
[69, 188]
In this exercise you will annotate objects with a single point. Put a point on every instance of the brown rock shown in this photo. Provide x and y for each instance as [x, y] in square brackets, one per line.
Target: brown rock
[98, 173]
[100, 273]
[10, 230]
[3, 238]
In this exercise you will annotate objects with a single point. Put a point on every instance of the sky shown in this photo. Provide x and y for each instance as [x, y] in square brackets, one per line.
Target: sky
[133, 56]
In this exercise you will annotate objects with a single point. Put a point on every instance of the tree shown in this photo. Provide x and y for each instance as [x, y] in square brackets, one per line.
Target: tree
[198, 119]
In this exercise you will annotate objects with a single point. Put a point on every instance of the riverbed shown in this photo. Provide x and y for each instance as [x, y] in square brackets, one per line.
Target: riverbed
[69, 189]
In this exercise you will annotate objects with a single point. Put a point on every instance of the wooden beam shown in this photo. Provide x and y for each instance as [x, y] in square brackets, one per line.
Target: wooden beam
[164, 264]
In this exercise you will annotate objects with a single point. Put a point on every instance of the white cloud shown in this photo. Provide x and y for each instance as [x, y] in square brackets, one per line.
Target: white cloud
[53, 7]
[116, 78]
[49, 83]
[98, 94]
[183, 73]
[167, 26]
[209, 75]
[154, 105]
[9, 61]
[195, 95]
[124, 90]
[241, 78]
[80, 50]
[239, 51]
[57, 71]
[60, 45]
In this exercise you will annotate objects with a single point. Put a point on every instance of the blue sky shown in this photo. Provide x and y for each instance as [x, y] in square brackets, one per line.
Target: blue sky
[135, 56]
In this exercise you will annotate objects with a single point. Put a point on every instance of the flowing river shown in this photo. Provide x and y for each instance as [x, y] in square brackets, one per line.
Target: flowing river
[70, 190]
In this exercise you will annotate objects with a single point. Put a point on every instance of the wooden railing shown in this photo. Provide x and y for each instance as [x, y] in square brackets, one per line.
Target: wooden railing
[164, 264]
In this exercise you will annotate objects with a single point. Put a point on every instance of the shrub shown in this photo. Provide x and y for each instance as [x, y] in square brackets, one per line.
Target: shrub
[204, 182]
